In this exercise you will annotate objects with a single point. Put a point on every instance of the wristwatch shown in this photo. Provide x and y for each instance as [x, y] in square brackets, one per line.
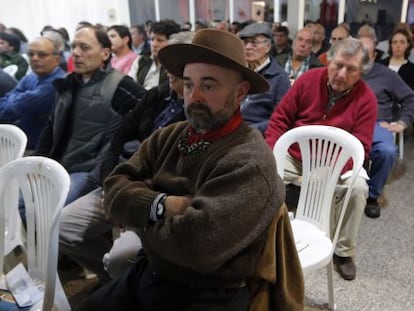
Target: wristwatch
[160, 209]
[157, 208]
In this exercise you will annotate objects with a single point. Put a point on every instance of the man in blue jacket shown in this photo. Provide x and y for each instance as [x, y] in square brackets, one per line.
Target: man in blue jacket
[29, 104]
[256, 109]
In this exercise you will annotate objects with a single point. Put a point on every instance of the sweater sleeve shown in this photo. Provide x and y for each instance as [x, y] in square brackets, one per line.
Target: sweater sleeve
[127, 95]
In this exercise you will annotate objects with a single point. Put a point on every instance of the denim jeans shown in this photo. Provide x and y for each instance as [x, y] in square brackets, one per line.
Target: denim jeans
[383, 156]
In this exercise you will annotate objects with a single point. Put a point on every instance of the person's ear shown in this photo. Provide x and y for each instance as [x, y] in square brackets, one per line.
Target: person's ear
[106, 52]
[242, 90]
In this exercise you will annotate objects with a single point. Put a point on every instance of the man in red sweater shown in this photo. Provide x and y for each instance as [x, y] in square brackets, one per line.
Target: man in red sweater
[334, 96]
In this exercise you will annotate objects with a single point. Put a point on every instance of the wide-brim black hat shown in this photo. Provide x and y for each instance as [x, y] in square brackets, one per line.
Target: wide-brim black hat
[212, 46]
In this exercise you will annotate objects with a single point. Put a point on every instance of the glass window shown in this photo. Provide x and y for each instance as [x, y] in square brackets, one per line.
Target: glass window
[176, 10]
[382, 15]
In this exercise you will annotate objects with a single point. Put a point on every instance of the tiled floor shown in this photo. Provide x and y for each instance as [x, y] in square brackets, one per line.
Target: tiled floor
[385, 256]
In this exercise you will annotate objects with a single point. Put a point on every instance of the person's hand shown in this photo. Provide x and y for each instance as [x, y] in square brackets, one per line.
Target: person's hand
[176, 205]
[394, 127]
[397, 127]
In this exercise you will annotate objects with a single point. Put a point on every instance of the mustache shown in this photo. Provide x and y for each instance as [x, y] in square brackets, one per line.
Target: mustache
[199, 106]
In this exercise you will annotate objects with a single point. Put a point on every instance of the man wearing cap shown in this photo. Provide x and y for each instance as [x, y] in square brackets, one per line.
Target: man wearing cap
[9, 54]
[201, 200]
[256, 109]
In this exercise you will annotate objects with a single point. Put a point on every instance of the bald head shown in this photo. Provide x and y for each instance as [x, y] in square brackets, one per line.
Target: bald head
[339, 33]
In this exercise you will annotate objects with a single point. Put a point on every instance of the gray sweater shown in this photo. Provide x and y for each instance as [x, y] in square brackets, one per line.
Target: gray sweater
[391, 89]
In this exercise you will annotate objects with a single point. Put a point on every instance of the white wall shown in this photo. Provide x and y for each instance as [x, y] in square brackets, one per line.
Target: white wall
[31, 15]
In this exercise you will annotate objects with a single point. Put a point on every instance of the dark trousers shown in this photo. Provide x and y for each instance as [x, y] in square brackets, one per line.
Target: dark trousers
[140, 289]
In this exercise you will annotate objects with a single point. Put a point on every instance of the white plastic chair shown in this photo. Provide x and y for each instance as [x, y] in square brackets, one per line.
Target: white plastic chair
[11, 70]
[44, 184]
[13, 143]
[324, 150]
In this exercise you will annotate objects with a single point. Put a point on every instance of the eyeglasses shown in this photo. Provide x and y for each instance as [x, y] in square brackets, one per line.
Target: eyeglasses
[40, 54]
[254, 43]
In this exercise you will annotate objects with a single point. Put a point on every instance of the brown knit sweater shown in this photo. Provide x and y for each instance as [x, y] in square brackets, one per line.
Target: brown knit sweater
[236, 192]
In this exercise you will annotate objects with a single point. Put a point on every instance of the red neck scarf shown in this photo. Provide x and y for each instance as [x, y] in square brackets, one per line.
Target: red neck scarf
[194, 142]
[216, 134]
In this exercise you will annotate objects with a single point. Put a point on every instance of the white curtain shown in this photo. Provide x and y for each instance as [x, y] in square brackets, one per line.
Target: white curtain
[31, 15]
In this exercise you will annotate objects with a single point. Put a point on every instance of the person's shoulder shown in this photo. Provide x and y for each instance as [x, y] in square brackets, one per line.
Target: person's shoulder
[314, 62]
[313, 75]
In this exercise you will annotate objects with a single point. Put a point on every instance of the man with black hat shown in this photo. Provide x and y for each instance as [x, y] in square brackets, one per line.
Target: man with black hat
[256, 109]
[202, 202]
[9, 54]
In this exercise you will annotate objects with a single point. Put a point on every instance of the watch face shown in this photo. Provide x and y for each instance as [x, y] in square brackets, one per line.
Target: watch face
[160, 209]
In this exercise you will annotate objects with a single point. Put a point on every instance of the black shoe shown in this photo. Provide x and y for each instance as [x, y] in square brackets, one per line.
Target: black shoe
[346, 267]
[372, 210]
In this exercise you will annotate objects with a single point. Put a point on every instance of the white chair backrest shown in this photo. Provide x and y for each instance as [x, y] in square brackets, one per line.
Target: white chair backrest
[44, 184]
[11, 70]
[13, 143]
[325, 150]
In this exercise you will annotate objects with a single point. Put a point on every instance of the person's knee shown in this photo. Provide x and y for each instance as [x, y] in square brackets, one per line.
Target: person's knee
[123, 251]
[385, 152]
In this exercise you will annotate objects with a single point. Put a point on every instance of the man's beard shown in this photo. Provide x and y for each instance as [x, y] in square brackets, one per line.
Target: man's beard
[201, 118]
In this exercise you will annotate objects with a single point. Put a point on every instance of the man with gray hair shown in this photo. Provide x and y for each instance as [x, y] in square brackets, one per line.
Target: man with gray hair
[29, 104]
[336, 96]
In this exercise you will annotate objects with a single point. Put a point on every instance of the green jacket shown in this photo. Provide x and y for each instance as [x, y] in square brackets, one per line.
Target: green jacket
[7, 59]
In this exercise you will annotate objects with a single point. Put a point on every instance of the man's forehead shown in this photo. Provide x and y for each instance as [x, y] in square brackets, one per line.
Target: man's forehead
[354, 59]
[86, 35]
[304, 34]
[41, 43]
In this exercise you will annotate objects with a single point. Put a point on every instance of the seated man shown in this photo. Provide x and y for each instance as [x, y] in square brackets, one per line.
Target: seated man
[395, 113]
[301, 58]
[88, 109]
[334, 96]
[29, 104]
[10, 54]
[200, 199]
[256, 109]
[123, 55]
[146, 69]
[83, 226]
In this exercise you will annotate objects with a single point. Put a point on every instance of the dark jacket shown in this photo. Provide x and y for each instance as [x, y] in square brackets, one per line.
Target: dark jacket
[7, 59]
[7, 83]
[138, 123]
[256, 109]
[406, 71]
[85, 116]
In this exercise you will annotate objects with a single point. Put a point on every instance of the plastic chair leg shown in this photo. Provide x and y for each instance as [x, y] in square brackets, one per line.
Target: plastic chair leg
[329, 274]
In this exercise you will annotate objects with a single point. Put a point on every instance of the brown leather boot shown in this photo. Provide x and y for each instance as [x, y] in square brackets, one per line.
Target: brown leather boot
[346, 267]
